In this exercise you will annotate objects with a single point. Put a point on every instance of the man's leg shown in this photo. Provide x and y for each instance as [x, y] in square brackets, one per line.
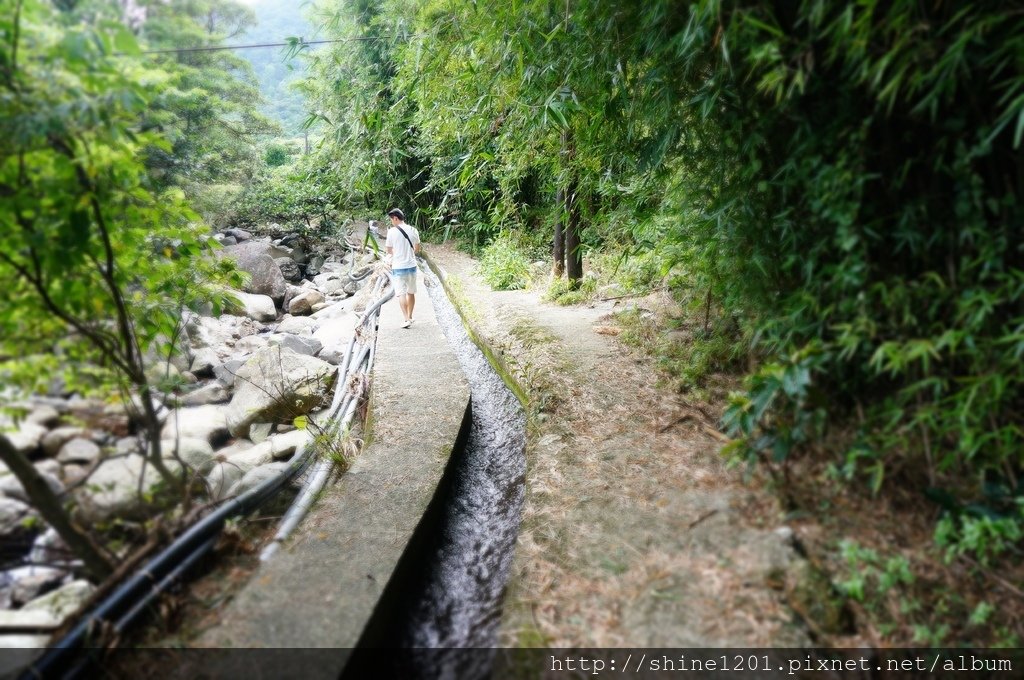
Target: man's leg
[411, 302]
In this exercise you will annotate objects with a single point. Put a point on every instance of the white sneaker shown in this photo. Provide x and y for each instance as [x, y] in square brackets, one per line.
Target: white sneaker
[406, 323]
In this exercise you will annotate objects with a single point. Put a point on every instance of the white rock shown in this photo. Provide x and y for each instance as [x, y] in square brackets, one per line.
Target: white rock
[197, 422]
[44, 415]
[11, 487]
[27, 583]
[258, 307]
[298, 344]
[49, 548]
[204, 360]
[283, 446]
[303, 303]
[213, 393]
[48, 467]
[64, 601]
[297, 325]
[255, 477]
[13, 513]
[277, 384]
[259, 432]
[195, 453]
[55, 439]
[27, 438]
[113, 490]
[78, 451]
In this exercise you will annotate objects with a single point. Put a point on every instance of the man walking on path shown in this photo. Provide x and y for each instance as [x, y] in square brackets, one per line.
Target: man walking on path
[402, 244]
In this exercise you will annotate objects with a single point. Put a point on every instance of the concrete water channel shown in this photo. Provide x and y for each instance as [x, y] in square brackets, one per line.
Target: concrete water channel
[412, 547]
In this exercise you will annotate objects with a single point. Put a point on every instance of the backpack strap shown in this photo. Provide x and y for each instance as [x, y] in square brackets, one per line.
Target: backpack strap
[406, 237]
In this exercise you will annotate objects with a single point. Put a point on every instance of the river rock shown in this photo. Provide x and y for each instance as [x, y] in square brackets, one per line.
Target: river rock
[277, 384]
[303, 303]
[225, 240]
[255, 477]
[203, 361]
[297, 325]
[114, 489]
[257, 258]
[241, 235]
[78, 451]
[258, 307]
[290, 269]
[27, 438]
[250, 344]
[314, 265]
[195, 453]
[298, 344]
[50, 548]
[260, 432]
[225, 373]
[49, 467]
[336, 332]
[64, 601]
[55, 439]
[283, 446]
[212, 393]
[24, 584]
[12, 488]
[13, 516]
[44, 415]
[208, 423]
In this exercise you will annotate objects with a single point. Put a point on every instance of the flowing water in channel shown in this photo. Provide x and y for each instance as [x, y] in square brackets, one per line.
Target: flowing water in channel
[459, 605]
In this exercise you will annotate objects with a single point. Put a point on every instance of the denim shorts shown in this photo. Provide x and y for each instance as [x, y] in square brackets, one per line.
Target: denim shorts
[404, 281]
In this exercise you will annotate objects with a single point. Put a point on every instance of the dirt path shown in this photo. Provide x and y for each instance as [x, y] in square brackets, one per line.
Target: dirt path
[634, 532]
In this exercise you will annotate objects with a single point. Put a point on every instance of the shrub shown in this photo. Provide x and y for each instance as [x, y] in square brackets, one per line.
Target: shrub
[504, 265]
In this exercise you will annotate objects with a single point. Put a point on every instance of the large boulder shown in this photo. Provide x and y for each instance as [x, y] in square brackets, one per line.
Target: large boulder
[277, 384]
[208, 423]
[257, 258]
[258, 307]
[121, 487]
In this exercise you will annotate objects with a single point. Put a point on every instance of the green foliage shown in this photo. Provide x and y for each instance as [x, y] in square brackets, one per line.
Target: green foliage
[565, 292]
[504, 265]
[97, 260]
[275, 155]
[299, 199]
[839, 181]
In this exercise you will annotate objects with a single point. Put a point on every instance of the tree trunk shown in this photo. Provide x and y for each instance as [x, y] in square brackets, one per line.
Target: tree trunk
[49, 506]
[558, 246]
[573, 252]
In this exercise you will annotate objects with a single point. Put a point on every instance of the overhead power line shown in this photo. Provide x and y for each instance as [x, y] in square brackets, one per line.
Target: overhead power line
[221, 48]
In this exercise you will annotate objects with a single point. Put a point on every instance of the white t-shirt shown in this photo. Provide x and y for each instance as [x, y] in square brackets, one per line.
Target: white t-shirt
[403, 254]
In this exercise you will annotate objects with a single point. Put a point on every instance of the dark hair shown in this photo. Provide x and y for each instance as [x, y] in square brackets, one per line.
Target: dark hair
[395, 212]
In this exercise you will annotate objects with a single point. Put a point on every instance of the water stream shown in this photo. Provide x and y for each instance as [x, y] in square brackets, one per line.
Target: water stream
[459, 603]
